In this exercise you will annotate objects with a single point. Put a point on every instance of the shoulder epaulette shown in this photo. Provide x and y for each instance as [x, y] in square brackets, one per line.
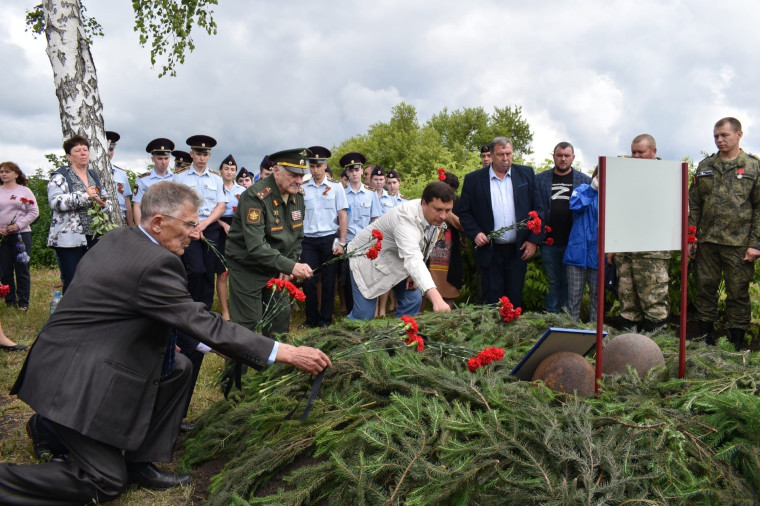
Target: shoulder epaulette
[301, 191]
[180, 171]
[215, 172]
[329, 178]
[370, 188]
[263, 193]
[144, 174]
[403, 197]
[117, 167]
[754, 156]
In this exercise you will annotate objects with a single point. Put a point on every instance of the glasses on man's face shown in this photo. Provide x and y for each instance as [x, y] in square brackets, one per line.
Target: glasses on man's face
[191, 225]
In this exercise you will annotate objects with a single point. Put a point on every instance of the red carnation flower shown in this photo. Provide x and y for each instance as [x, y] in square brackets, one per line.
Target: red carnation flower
[508, 311]
[378, 246]
[377, 234]
[416, 339]
[549, 241]
[691, 234]
[534, 222]
[4, 290]
[548, 229]
[270, 283]
[441, 174]
[234, 209]
[372, 253]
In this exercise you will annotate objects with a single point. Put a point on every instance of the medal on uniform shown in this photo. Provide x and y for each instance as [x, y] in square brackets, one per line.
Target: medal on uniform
[275, 203]
[295, 215]
[739, 172]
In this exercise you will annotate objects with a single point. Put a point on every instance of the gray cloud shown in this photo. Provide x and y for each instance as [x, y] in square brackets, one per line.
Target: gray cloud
[289, 74]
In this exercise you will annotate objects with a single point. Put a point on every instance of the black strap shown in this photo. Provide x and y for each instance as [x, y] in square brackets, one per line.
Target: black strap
[233, 375]
[314, 392]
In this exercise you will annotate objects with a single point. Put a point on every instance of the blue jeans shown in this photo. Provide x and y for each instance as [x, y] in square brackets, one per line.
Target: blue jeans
[551, 257]
[409, 302]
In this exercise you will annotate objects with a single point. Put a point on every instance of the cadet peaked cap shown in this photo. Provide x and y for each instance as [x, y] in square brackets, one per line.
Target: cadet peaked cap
[392, 174]
[266, 163]
[294, 160]
[201, 143]
[113, 138]
[181, 158]
[243, 173]
[484, 149]
[351, 160]
[319, 154]
[229, 160]
[377, 171]
[160, 146]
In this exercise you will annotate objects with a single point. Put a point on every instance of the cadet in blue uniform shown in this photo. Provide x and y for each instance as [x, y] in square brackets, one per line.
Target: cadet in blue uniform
[228, 170]
[393, 185]
[265, 169]
[244, 178]
[159, 150]
[363, 208]
[199, 258]
[264, 241]
[120, 180]
[326, 214]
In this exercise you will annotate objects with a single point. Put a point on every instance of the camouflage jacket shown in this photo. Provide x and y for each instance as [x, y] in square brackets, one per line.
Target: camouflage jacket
[724, 201]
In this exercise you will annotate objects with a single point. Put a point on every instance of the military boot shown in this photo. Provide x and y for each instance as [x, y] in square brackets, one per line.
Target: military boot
[706, 329]
[736, 336]
[653, 326]
[626, 324]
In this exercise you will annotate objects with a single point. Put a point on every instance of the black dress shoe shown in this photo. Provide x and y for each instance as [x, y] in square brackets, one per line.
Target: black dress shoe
[148, 475]
[186, 427]
[47, 445]
[15, 347]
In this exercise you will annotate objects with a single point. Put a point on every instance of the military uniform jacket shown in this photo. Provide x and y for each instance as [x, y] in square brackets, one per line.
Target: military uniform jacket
[96, 363]
[266, 233]
[724, 201]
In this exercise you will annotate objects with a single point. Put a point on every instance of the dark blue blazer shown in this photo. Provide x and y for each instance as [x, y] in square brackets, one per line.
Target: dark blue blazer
[475, 211]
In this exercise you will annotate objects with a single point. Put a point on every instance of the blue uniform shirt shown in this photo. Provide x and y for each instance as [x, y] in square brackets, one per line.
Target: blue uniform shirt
[145, 182]
[208, 185]
[363, 205]
[388, 201]
[322, 205]
[123, 188]
[233, 195]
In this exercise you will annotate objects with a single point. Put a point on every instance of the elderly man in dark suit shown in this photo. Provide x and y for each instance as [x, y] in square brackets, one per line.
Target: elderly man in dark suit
[493, 198]
[102, 376]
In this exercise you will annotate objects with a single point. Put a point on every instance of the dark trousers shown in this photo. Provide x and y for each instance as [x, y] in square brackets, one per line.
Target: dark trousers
[96, 470]
[315, 251]
[201, 265]
[344, 280]
[16, 274]
[68, 259]
[504, 276]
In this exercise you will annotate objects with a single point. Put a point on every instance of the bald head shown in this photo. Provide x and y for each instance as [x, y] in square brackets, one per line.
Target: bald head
[644, 146]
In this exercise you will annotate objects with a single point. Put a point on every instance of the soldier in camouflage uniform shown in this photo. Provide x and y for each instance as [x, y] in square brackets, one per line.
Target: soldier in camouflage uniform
[264, 241]
[643, 276]
[724, 205]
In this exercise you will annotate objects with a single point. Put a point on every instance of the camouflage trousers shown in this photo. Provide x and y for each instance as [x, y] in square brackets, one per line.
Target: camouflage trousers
[642, 287]
[712, 260]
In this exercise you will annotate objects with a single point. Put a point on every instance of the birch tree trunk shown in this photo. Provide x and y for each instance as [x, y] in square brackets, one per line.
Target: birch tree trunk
[76, 86]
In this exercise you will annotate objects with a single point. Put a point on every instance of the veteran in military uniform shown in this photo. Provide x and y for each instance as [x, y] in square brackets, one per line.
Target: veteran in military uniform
[643, 275]
[264, 240]
[724, 205]
[326, 214]
[159, 150]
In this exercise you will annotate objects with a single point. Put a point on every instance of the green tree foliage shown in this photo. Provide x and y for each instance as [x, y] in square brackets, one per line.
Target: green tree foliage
[41, 255]
[35, 22]
[168, 25]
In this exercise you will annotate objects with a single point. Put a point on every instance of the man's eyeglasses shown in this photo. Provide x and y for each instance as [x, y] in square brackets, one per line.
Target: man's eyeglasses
[191, 225]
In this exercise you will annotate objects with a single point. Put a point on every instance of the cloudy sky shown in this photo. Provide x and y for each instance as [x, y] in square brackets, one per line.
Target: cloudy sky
[283, 74]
